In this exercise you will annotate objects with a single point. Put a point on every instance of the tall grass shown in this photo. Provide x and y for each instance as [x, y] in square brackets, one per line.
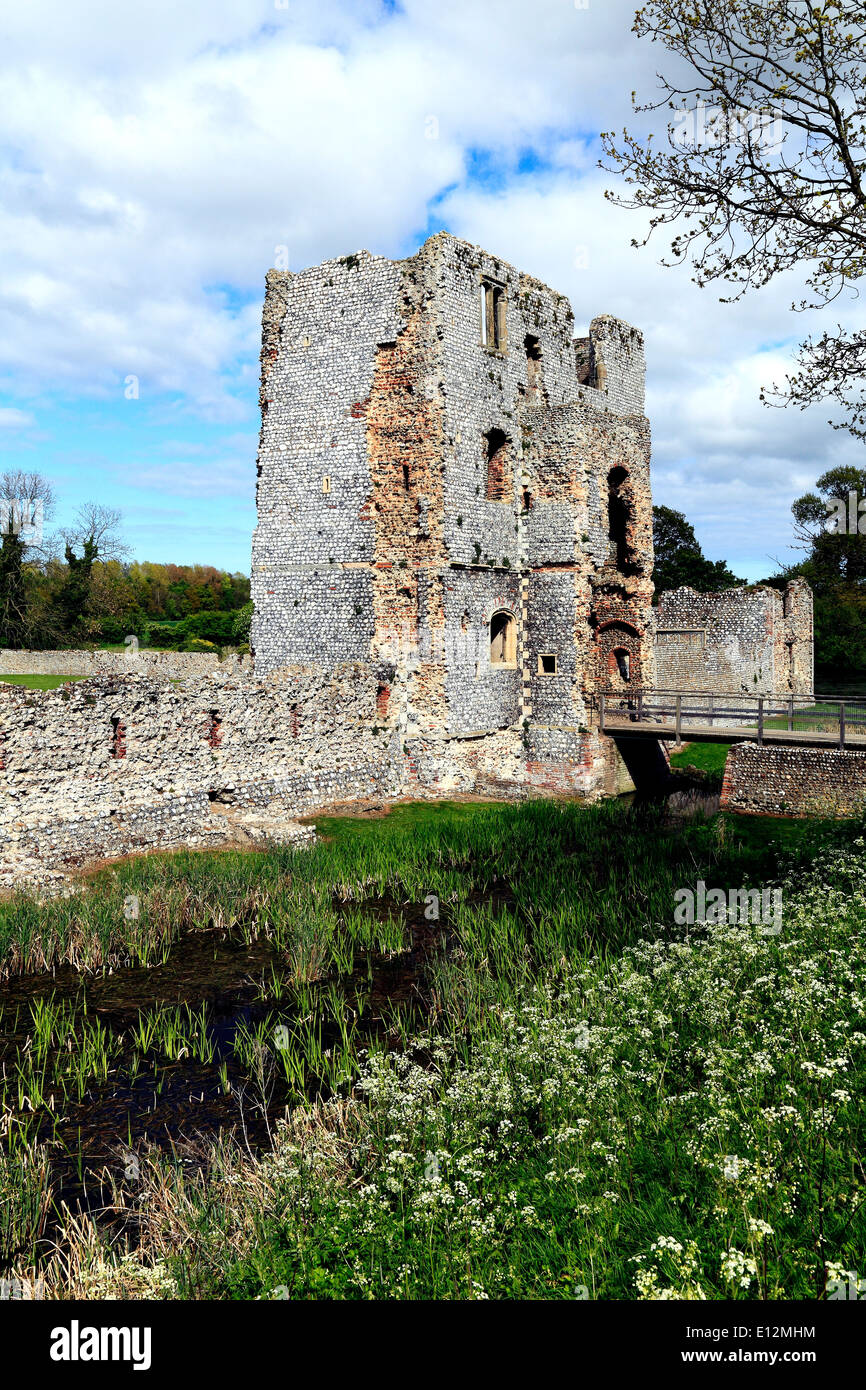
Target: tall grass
[430, 979]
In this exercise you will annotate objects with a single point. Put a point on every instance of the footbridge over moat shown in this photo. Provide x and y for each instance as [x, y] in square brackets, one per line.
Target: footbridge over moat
[679, 716]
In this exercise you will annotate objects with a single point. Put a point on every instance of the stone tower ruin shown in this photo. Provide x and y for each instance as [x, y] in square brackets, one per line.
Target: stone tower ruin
[453, 487]
[452, 564]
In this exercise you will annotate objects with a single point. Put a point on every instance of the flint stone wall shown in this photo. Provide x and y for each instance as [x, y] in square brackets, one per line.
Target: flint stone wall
[393, 526]
[770, 780]
[102, 766]
[755, 640]
[168, 665]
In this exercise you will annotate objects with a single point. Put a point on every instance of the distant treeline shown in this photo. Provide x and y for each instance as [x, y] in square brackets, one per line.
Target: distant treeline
[162, 605]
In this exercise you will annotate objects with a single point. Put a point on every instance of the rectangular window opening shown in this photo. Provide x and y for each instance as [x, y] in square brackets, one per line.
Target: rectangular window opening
[547, 663]
[496, 453]
[118, 738]
[492, 315]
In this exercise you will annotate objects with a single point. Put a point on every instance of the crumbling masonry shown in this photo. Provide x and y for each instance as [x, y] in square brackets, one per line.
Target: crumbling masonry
[452, 487]
[453, 561]
[755, 639]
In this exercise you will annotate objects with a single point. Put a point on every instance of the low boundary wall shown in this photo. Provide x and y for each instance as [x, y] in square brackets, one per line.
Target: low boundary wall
[144, 662]
[777, 781]
[111, 764]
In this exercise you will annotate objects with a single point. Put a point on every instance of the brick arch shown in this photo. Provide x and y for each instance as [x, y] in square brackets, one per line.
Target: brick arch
[618, 650]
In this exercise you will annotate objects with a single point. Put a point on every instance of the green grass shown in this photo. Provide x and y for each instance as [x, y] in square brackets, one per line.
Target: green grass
[707, 757]
[553, 1107]
[562, 861]
[40, 682]
[402, 818]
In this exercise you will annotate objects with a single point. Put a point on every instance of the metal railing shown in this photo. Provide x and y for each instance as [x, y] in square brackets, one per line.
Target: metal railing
[738, 711]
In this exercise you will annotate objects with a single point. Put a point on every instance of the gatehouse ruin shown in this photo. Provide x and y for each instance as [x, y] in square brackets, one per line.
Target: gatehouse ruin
[454, 487]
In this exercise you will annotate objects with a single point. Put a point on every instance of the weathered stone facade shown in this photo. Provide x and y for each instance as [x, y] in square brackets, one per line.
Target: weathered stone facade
[455, 489]
[102, 766]
[777, 781]
[758, 640]
[144, 662]
[452, 562]
[452, 558]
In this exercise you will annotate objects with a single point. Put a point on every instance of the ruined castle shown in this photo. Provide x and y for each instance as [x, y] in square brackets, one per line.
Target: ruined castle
[454, 487]
[452, 564]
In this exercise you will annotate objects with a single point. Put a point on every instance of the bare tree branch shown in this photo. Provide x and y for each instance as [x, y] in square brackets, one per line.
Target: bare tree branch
[773, 180]
[100, 527]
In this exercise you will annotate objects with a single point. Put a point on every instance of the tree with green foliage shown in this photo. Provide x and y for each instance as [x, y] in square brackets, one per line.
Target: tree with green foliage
[838, 551]
[13, 597]
[96, 532]
[679, 559]
[835, 566]
[242, 625]
[75, 592]
[95, 594]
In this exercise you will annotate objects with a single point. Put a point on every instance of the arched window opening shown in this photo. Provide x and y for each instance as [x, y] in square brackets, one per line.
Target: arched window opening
[622, 662]
[498, 473]
[503, 640]
[619, 657]
[618, 516]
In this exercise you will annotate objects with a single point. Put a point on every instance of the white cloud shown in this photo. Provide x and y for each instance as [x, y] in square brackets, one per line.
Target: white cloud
[152, 168]
[220, 477]
[13, 419]
[156, 158]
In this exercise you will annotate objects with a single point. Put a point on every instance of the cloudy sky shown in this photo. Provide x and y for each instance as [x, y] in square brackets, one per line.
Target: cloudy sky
[153, 160]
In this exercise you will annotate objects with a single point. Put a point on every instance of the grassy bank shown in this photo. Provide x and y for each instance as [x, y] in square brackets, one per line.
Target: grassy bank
[509, 1072]
[706, 757]
[35, 682]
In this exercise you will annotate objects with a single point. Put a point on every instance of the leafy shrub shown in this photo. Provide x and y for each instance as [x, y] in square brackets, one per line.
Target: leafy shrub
[241, 625]
[165, 635]
[118, 629]
[216, 628]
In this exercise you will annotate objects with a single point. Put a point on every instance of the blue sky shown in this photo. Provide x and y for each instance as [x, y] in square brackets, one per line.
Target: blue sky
[152, 162]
